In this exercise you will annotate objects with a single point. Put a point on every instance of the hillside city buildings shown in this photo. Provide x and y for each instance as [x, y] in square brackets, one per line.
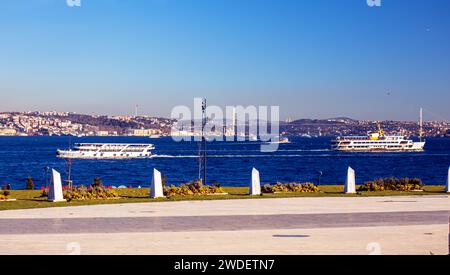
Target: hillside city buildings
[65, 123]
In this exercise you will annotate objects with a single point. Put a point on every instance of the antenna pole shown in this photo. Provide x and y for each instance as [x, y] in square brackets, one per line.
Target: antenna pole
[421, 124]
[199, 152]
[69, 172]
[46, 169]
[204, 120]
[199, 160]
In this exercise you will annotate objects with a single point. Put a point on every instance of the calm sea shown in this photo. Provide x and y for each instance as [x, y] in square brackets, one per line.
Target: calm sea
[229, 163]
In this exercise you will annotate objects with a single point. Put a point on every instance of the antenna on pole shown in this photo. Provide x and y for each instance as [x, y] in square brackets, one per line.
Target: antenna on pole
[234, 124]
[202, 146]
[204, 121]
[69, 173]
[69, 166]
[421, 124]
[46, 170]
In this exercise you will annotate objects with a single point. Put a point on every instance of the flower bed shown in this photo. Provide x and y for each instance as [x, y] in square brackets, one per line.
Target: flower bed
[89, 193]
[195, 188]
[291, 188]
[4, 196]
[393, 184]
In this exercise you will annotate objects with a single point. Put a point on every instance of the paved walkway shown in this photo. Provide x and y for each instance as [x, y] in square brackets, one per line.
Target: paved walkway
[218, 223]
[241, 207]
[383, 225]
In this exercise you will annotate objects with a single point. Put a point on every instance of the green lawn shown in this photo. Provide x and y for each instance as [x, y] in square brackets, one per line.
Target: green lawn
[32, 199]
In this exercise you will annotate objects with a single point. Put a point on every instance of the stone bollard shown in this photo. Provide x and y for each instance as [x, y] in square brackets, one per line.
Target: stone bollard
[156, 190]
[255, 186]
[55, 194]
[350, 183]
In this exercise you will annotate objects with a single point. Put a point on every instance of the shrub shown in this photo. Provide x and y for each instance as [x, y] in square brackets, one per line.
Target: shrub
[91, 193]
[97, 182]
[195, 188]
[291, 188]
[392, 184]
[4, 195]
[6, 187]
[44, 192]
[29, 184]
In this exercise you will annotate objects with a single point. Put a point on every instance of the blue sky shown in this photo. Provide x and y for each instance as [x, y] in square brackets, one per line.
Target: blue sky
[315, 58]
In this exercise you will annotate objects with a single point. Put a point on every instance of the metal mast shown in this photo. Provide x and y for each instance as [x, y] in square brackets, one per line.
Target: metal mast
[234, 125]
[199, 152]
[202, 146]
[421, 124]
[204, 121]
[69, 167]
[69, 173]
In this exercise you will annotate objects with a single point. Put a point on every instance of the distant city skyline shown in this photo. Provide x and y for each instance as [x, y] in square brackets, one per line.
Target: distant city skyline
[315, 59]
[282, 119]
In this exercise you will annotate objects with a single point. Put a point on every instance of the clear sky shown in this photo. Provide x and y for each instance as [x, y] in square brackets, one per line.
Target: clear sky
[313, 58]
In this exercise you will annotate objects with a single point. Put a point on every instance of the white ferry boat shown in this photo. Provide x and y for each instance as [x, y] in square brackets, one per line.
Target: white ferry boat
[376, 141]
[107, 151]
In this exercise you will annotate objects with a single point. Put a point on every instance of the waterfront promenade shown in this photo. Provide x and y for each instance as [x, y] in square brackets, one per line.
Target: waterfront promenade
[341, 225]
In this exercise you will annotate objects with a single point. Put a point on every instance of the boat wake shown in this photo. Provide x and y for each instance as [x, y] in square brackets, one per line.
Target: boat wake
[331, 154]
[242, 156]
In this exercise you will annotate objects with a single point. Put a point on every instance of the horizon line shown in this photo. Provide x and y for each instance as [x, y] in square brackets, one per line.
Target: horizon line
[164, 117]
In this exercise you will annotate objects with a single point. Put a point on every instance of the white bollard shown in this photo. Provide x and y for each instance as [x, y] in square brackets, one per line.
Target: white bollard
[255, 186]
[55, 194]
[350, 183]
[156, 190]
[447, 187]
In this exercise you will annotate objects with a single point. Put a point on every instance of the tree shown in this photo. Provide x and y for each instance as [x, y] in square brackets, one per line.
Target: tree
[29, 184]
[97, 182]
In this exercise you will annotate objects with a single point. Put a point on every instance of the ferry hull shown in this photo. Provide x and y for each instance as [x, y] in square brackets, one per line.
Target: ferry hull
[351, 147]
[107, 151]
[377, 150]
[100, 158]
